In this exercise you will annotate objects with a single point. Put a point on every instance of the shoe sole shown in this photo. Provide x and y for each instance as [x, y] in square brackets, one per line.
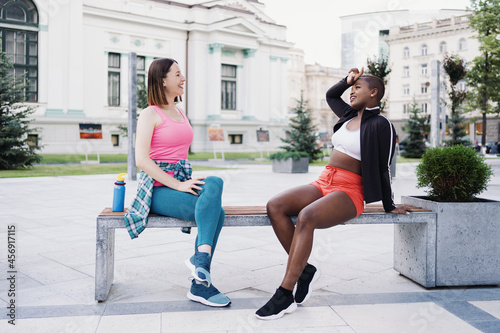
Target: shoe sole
[291, 308]
[192, 268]
[201, 300]
[313, 281]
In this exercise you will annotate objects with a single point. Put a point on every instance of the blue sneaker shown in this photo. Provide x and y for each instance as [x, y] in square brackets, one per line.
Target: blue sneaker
[199, 264]
[207, 295]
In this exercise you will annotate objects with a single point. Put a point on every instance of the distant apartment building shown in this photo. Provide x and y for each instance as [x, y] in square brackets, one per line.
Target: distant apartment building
[411, 50]
[362, 34]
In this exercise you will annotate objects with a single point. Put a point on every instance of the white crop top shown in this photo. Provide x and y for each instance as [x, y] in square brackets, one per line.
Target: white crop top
[347, 141]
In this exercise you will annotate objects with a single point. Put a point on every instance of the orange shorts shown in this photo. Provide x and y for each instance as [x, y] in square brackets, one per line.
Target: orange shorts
[335, 179]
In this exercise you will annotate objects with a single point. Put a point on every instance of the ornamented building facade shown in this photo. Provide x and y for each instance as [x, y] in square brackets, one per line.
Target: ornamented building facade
[76, 56]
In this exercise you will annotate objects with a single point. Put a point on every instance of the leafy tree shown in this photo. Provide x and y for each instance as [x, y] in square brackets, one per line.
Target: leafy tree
[302, 137]
[416, 126]
[14, 120]
[455, 68]
[484, 75]
[379, 67]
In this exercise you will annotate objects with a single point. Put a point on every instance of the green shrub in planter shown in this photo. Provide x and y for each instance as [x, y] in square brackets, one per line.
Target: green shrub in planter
[453, 174]
[284, 155]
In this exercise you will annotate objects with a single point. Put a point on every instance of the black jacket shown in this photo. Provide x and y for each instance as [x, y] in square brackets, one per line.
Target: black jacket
[378, 141]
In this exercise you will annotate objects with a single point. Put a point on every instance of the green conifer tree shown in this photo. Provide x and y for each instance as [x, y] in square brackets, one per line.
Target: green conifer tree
[302, 136]
[416, 126]
[15, 152]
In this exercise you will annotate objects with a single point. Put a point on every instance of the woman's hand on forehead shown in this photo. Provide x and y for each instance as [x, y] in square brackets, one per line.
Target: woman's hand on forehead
[354, 75]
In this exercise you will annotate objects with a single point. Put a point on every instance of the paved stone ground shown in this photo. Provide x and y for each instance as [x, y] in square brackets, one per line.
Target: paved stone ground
[358, 291]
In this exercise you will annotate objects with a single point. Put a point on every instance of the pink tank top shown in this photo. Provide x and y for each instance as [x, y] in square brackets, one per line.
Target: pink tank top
[171, 140]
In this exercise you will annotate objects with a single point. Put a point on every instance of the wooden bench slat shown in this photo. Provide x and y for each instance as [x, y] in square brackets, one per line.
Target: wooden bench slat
[261, 210]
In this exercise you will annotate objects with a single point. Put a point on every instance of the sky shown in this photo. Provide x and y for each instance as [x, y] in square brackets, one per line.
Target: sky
[314, 25]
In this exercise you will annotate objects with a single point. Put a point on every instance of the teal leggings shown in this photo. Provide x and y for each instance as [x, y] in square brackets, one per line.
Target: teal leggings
[205, 209]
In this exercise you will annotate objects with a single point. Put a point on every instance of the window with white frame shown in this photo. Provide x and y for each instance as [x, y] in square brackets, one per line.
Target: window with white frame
[406, 89]
[114, 79]
[423, 88]
[141, 70]
[405, 108]
[442, 47]
[462, 85]
[424, 107]
[462, 44]
[406, 52]
[228, 89]
[19, 40]
[423, 69]
[423, 49]
[406, 71]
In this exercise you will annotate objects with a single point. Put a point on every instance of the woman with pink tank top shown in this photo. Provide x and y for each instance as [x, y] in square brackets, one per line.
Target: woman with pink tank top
[165, 184]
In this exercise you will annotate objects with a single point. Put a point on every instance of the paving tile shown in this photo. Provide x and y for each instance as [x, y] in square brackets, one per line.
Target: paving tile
[130, 323]
[401, 318]
[83, 324]
[47, 271]
[388, 281]
[223, 320]
[492, 307]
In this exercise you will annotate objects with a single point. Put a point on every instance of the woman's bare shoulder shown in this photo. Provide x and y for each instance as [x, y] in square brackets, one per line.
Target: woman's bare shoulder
[149, 114]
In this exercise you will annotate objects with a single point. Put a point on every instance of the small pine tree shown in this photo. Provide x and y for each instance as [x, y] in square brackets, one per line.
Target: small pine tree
[14, 120]
[302, 137]
[415, 126]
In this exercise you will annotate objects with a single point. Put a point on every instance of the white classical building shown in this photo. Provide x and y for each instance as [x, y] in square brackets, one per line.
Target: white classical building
[412, 48]
[76, 55]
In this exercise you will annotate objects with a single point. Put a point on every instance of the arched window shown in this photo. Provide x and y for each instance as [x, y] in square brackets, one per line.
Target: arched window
[424, 49]
[442, 47]
[462, 44]
[19, 35]
[406, 52]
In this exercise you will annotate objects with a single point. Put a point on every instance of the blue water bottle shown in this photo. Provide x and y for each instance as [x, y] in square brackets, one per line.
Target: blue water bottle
[119, 193]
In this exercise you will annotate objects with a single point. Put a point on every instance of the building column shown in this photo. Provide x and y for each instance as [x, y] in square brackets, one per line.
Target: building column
[250, 89]
[241, 89]
[75, 61]
[214, 81]
[283, 88]
[58, 33]
[274, 89]
[43, 63]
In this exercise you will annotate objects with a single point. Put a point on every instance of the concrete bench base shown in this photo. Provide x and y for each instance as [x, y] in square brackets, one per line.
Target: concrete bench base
[417, 264]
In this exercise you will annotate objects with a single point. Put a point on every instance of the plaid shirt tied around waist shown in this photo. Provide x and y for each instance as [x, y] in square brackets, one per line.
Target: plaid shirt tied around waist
[136, 219]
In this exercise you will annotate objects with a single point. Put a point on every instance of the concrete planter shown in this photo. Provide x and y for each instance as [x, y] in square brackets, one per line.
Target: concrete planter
[291, 166]
[467, 242]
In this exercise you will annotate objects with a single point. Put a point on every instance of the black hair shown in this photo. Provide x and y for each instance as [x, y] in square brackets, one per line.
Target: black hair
[374, 82]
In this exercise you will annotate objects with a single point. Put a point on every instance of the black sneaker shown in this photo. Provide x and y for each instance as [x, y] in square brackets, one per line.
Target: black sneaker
[277, 306]
[304, 284]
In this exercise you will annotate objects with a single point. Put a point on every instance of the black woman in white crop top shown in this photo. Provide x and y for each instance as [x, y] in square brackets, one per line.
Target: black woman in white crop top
[357, 172]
